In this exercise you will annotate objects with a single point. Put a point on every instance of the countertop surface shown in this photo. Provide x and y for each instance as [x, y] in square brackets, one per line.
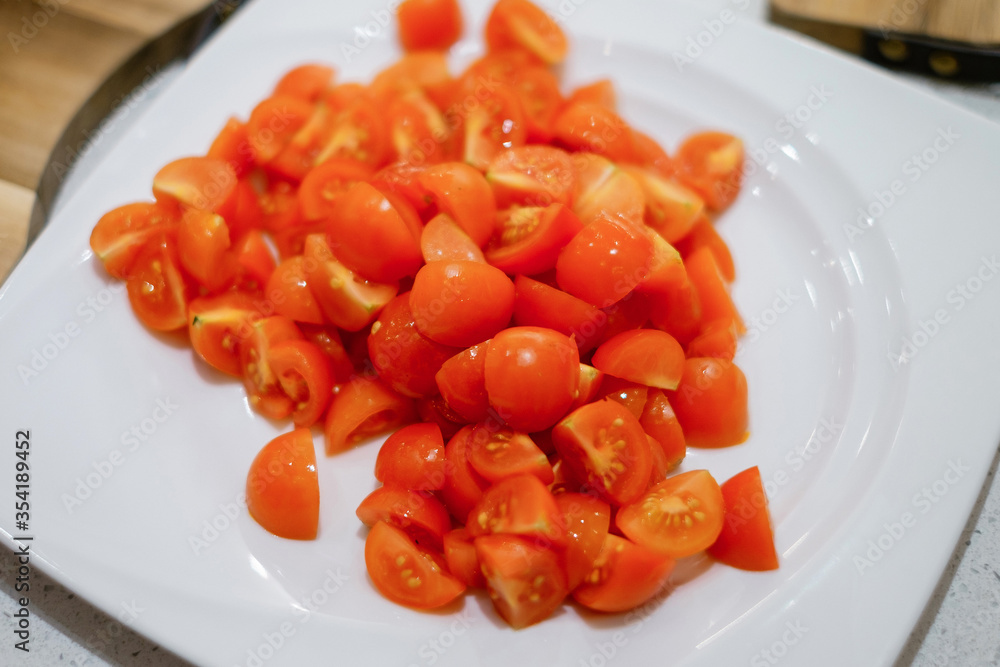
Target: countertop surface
[46, 73]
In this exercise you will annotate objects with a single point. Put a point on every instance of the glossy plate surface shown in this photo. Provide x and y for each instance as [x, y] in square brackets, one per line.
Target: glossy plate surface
[866, 230]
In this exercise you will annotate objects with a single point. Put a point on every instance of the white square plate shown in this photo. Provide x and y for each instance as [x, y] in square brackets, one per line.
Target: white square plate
[866, 233]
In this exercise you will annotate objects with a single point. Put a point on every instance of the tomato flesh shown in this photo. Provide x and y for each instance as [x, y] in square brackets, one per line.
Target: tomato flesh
[405, 573]
[625, 575]
[525, 580]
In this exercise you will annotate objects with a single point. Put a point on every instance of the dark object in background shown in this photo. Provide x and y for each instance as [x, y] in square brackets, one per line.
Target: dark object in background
[949, 39]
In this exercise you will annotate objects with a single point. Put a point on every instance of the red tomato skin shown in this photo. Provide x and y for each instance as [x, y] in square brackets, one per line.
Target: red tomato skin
[405, 359]
[429, 24]
[520, 505]
[747, 538]
[422, 516]
[463, 193]
[461, 303]
[282, 488]
[121, 233]
[157, 289]
[368, 234]
[645, 356]
[413, 458]
[460, 554]
[531, 376]
[587, 521]
[522, 24]
[361, 408]
[604, 262]
[537, 304]
[463, 487]
[217, 323]
[462, 383]
[711, 403]
[289, 291]
[526, 580]
[660, 423]
[302, 366]
[628, 576]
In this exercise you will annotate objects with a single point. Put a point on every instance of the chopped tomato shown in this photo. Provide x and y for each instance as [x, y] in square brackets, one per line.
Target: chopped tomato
[462, 383]
[460, 555]
[282, 487]
[747, 538]
[522, 24]
[519, 505]
[671, 209]
[463, 487]
[464, 194]
[531, 376]
[216, 324]
[537, 304]
[307, 82]
[497, 454]
[604, 190]
[528, 240]
[422, 516]
[233, 146]
[494, 121]
[660, 423]
[405, 359]
[443, 240]
[412, 458]
[273, 123]
[526, 580]
[289, 291]
[587, 521]
[593, 128]
[429, 24]
[203, 183]
[604, 262]
[678, 517]
[461, 303]
[362, 408]
[600, 92]
[631, 395]
[713, 293]
[405, 573]
[711, 403]
[324, 185]
[357, 132]
[532, 176]
[625, 576]
[303, 371]
[646, 356]
[121, 233]
[156, 287]
[538, 89]
[711, 163]
[604, 447]
[717, 339]
[264, 388]
[418, 131]
[704, 234]
[345, 298]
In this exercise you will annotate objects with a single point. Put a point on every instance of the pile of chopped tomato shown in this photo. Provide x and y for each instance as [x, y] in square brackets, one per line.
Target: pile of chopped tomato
[528, 291]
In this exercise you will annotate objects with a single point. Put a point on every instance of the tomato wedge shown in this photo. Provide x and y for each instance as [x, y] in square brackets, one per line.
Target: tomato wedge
[660, 423]
[203, 183]
[121, 233]
[526, 581]
[646, 356]
[604, 446]
[532, 176]
[413, 458]
[711, 403]
[604, 190]
[283, 489]
[712, 164]
[422, 516]
[678, 517]
[405, 573]
[465, 195]
[462, 383]
[522, 24]
[156, 287]
[461, 303]
[531, 376]
[303, 371]
[263, 385]
[463, 487]
[460, 555]
[528, 240]
[625, 575]
[604, 262]
[289, 291]
[537, 304]
[747, 538]
[587, 521]
[443, 240]
[216, 325]
[499, 454]
[363, 408]
[519, 505]
[429, 24]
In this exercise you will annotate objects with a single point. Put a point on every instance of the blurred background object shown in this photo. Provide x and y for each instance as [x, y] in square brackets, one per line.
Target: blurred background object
[952, 39]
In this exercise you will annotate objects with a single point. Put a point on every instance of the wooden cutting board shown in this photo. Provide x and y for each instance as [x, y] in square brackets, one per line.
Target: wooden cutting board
[54, 54]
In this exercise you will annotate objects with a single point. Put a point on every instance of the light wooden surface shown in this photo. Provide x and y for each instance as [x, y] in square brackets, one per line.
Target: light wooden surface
[976, 21]
[53, 55]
